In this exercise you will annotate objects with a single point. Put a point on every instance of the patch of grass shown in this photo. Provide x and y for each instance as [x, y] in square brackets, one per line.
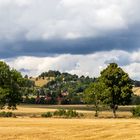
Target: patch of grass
[136, 90]
[42, 81]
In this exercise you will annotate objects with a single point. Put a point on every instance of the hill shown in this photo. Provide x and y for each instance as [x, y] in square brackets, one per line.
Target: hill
[136, 90]
[40, 82]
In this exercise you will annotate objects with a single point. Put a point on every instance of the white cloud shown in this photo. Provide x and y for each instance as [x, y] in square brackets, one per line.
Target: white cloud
[45, 19]
[77, 64]
[134, 70]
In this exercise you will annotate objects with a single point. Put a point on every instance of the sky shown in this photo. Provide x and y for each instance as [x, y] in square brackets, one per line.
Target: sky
[76, 36]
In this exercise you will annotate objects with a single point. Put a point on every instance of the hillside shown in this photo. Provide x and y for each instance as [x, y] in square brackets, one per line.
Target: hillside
[46, 77]
[136, 90]
[39, 82]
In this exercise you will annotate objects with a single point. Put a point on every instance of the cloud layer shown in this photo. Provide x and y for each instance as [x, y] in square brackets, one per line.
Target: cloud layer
[80, 36]
[88, 65]
[32, 27]
[66, 19]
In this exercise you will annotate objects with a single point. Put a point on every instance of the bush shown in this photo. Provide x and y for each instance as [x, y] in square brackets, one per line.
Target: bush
[6, 114]
[63, 113]
[136, 111]
[60, 112]
[71, 113]
[47, 115]
[67, 113]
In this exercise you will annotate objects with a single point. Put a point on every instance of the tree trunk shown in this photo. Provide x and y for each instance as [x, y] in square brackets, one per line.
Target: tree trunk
[96, 111]
[114, 108]
[96, 107]
[114, 112]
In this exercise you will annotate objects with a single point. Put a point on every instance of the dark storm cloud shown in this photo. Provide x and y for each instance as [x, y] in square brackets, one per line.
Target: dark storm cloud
[128, 41]
[30, 27]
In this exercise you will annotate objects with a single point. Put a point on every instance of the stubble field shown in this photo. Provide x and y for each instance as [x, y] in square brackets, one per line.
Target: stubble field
[69, 129]
[30, 126]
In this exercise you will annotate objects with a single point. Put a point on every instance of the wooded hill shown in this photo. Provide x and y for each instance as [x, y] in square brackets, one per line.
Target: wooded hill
[62, 87]
[51, 75]
[58, 87]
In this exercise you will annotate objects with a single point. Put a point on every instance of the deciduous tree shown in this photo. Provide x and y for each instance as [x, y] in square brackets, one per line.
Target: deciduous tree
[11, 82]
[118, 86]
[93, 95]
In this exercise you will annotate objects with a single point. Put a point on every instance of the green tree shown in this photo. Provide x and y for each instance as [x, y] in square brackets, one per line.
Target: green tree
[4, 82]
[14, 96]
[118, 86]
[93, 95]
[10, 85]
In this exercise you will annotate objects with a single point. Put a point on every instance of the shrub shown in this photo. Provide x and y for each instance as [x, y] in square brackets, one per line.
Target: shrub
[67, 113]
[71, 113]
[6, 114]
[60, 112]
[136, 111]
[47, 115]
[63, 113]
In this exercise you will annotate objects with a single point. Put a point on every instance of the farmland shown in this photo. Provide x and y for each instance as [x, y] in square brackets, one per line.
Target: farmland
[69, 129]
[30, 126]
[88, 111]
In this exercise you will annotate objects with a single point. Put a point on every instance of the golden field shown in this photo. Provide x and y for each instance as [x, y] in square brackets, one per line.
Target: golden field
[69, 129]
[30, 126]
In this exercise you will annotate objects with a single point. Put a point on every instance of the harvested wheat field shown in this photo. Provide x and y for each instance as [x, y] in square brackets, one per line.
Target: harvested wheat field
[69, 129]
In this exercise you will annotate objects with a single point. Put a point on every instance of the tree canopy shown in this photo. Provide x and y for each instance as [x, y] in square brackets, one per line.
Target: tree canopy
[93, 95]
[118, 86]
[11, 82]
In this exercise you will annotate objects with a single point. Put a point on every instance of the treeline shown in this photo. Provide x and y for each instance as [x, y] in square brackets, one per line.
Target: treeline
[64, 88]
[113, 88]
